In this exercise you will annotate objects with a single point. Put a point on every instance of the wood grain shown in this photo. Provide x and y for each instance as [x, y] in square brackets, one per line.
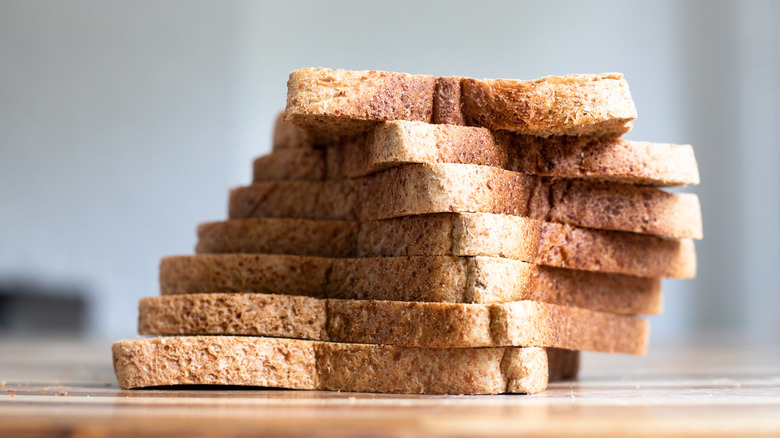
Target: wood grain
[67, 388]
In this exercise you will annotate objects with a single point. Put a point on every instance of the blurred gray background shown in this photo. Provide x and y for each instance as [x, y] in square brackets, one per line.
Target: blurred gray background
[124, 124]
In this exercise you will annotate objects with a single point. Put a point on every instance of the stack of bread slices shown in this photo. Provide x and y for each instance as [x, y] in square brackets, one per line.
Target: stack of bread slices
[415, 234]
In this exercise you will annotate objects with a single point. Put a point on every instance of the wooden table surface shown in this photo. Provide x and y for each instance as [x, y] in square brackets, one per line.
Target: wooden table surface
[67, 388]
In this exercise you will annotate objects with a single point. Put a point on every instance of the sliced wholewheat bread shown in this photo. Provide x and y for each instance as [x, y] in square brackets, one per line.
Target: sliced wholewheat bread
[457, 234]
[324, 238]
[291, 164]
[406, 324]
[334, 103]
[415, 189]
[287, 136]
[422, 279]
[390, 144]
[297, 364]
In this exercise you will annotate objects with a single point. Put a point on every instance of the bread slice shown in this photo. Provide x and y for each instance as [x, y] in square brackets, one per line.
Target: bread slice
[422, 279]
[287, 136]
[457, 234]
[297, 364]
[330, 104]
[406, 324]
[322, 238]
[415, 189]
[291, 164]
[393, 143]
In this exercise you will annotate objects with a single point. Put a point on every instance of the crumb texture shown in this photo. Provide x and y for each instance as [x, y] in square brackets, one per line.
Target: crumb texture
[416, 189]
[446, 279]
[330, 103]
[458, 234]
[394, 143]
[295, 364]
[407, 324]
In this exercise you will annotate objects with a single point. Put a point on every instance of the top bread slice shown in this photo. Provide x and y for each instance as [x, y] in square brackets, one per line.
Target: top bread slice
[415, 189]
[330, 104]
[393, 143]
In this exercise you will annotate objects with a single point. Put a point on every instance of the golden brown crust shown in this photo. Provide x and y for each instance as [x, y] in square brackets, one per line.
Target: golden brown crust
[457, 234]
[333, 103]
[295, 364]
[424, 279]
[395, 143]
[414, 189]
[407, 324]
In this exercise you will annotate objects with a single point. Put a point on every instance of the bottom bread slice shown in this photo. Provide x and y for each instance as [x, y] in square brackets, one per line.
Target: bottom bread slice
[297, 364]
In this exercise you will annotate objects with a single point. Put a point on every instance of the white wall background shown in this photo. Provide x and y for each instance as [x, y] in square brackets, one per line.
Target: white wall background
[123, 124]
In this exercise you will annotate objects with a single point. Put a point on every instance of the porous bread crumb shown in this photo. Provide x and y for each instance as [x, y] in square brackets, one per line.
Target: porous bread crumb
[405, 324]
[295, 364]
[329, 104]
[481, 280]
[394, 143]
[457, 234]
[416, 189]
